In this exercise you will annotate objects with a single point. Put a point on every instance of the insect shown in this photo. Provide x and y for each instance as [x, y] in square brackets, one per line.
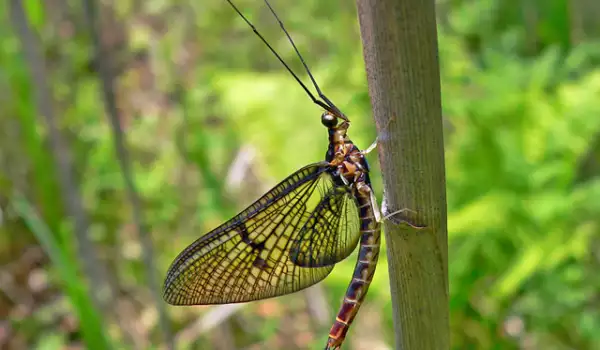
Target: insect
[292, 236]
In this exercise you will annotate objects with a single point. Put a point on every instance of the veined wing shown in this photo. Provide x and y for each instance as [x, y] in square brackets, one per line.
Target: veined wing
[331, 233]
[247, 258]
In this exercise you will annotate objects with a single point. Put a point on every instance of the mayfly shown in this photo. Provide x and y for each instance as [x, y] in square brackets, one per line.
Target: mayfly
[292, 236]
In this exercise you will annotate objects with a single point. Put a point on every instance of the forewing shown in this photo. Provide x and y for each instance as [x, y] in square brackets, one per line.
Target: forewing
[331, 233]
[247, 258]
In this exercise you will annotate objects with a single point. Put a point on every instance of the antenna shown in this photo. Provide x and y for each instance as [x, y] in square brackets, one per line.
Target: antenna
[327, 105]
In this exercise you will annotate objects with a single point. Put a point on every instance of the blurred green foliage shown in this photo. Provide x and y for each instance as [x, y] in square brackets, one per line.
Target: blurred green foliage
[520, 89]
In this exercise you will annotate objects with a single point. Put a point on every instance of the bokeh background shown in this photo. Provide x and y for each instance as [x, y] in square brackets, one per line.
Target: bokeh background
[211, 120]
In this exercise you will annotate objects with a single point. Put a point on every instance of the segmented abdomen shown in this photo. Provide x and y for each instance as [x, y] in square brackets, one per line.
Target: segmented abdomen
[363, 271]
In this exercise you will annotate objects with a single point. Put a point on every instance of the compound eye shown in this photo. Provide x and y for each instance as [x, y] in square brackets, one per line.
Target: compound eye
[329, 120]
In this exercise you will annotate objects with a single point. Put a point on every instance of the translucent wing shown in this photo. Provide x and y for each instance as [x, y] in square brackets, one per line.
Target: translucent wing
[247, 258]
[331, 233]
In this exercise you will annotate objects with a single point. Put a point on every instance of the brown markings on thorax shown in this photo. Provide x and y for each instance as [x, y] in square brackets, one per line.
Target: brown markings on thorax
[347, 158]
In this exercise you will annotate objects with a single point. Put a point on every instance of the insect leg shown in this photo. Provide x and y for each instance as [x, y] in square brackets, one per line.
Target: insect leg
[387, 215]
[376, 210]
[383, 131]
[344, 180]
[371, 147]
[378, 138]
